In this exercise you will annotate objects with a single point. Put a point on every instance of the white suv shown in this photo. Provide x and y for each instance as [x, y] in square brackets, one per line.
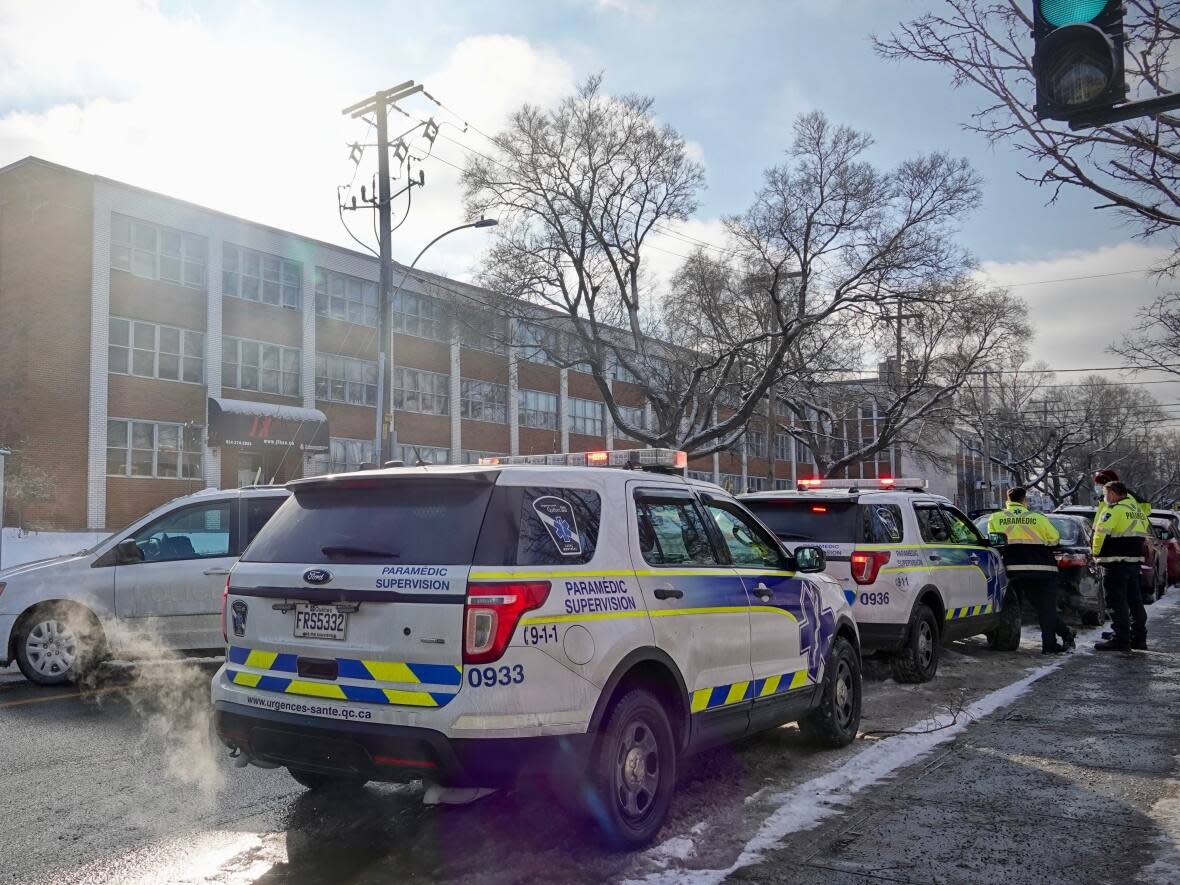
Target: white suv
[915, 570]
[463, 624]
[164, 575]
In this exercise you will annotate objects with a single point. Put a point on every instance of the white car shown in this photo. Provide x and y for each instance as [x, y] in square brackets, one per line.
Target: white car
[462, 624]
[915, 570]
[163, 576]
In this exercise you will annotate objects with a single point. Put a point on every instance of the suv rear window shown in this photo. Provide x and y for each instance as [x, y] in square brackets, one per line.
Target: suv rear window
[538, 525]
[809, 520]
[416, 522]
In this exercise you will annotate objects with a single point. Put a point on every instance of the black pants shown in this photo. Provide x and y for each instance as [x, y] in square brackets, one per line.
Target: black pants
[1040, 588]
[1127, 614]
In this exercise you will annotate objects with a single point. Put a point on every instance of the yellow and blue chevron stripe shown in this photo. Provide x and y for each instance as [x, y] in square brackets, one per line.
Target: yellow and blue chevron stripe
[736, 692]
[969, 611]
[448, 675]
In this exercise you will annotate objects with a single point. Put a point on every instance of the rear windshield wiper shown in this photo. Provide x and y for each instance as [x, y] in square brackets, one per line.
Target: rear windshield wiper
[345, 550]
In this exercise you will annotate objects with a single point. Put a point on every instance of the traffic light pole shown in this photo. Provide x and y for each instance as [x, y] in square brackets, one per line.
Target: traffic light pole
[1148, 107]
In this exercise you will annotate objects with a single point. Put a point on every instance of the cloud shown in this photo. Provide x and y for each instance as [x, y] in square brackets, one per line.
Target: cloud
[1079, 317]
[245, 118]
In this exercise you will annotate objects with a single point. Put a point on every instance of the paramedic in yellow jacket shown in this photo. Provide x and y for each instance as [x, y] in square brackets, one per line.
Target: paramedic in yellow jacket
[1031, 565]
[1119, 530]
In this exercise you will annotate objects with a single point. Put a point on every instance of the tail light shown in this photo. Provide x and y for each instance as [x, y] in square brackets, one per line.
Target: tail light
[492, 613]
[866, 564]
[224, 603]
[1071, 560]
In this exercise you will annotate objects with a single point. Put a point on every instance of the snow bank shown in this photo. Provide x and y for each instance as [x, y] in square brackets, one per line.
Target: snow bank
[42, 545]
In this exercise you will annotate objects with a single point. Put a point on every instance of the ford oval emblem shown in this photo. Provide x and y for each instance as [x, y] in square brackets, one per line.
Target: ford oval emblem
[317, 576]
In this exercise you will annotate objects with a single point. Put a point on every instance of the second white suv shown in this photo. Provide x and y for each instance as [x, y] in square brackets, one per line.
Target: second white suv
[915, 570]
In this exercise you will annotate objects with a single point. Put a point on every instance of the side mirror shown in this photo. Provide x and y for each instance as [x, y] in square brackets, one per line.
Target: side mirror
[128, 552]
[997, 539]
[809, 559]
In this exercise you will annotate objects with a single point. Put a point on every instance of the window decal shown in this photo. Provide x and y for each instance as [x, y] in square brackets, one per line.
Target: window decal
[557, 515]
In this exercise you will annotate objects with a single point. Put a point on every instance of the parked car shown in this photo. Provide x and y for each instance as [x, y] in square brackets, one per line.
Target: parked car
[1165, 531]
[165, 573]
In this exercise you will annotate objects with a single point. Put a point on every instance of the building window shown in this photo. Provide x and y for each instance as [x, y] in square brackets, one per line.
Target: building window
[538, 409]
[757, 484]
[783, 485]
[732, 483]
[154, 449]
[256, 276]
[341, 379]
[484, 401]
[472, 457]
[343, 297]
[257, 365]
[411, 455]
[706, 475]
[415, 390]
[419, 315]
[586, 416]
[541, 344]
[621, 372]
[784, 448]
[152, 351]
[486, 332]
[756, 443]
[158, 253]
[633, 415]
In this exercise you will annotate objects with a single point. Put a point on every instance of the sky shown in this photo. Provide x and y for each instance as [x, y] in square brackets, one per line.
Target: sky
[237, 106]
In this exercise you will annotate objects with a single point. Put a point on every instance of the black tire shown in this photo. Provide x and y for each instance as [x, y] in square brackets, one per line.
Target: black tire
[1006, 636]
[319, 782]
[633, 771]
[1091, 619]
[918, 659]
[58, 643]
[835, 721]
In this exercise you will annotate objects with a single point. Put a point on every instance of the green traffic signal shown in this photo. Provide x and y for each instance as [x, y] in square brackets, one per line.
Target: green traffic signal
[1072, 12]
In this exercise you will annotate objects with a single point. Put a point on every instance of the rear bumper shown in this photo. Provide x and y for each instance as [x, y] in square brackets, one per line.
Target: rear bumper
[882, 637]
[388, 752]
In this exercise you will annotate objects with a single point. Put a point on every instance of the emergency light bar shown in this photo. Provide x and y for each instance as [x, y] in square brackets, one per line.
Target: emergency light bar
[907, 484]
[650, 459]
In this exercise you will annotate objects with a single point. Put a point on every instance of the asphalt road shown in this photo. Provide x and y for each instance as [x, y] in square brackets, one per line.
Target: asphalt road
[122, 782]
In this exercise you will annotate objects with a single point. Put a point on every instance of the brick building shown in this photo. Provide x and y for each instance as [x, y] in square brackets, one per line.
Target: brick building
[150, 347]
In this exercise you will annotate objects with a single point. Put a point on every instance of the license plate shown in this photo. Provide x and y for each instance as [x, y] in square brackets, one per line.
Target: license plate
[319, 621]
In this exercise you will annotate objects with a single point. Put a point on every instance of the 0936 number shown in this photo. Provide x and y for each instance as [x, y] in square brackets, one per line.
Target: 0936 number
[485, 677]
[874, 598]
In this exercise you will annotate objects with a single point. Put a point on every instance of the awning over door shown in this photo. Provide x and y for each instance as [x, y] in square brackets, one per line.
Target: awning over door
[250, 425]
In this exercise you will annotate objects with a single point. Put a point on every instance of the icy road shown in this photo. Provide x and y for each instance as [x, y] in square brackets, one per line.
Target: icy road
[1007, 768]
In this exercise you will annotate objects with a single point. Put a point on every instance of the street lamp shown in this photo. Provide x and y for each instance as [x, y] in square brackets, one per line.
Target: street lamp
[385, 412]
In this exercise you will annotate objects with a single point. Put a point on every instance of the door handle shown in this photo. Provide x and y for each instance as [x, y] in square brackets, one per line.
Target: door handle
[215, 571]
[764, 592]
[667, 593]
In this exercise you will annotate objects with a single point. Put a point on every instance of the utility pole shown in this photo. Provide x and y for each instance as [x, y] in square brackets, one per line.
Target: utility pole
[989, 497]
[378, 105]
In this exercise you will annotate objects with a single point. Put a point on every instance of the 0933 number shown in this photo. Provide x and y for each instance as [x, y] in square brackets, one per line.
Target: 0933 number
[485, 677]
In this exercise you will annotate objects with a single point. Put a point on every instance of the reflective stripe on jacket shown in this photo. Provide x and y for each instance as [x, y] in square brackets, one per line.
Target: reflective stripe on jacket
[1119, 530]
[1031, 537]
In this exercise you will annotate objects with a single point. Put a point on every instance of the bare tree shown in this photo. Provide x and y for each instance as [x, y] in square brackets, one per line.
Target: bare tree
[1154, 343]
[1131, 166]
[580, 189]
[951, 339]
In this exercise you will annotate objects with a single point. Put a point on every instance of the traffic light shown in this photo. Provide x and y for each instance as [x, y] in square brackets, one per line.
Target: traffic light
[1078, 59]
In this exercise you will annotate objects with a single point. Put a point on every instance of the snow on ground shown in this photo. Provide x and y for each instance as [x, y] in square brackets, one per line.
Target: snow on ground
[16, 550]
[804, 806]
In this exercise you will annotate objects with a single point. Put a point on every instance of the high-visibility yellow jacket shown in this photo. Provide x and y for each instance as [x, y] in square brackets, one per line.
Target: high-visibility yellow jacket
[1119, 530]
[1031, 538]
